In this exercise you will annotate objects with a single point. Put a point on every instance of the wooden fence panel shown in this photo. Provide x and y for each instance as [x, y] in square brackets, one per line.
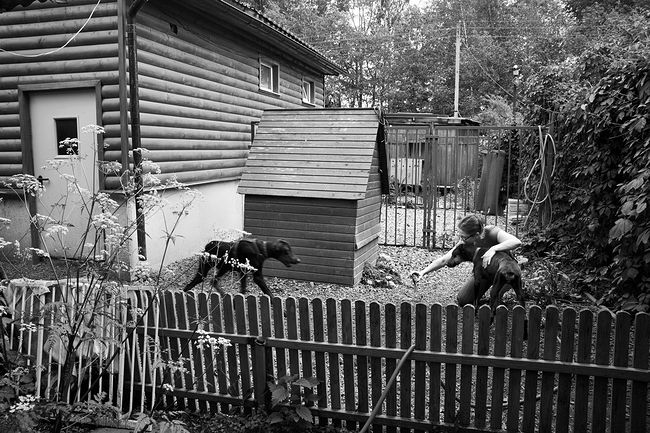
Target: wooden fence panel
[606, 391]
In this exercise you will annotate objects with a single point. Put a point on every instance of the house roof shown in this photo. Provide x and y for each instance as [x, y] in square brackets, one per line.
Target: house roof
[245, 17]
[315, 153]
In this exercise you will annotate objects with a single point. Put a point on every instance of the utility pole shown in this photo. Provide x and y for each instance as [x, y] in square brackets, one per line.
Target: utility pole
[457, 75]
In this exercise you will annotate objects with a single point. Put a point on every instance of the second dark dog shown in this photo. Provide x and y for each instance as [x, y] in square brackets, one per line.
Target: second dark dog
[503, 273]
[240, 256]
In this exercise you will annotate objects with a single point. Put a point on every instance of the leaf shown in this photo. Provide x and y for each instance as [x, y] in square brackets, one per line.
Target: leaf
[621, 227]
[305, 414]
[275, 418]
[303, 382]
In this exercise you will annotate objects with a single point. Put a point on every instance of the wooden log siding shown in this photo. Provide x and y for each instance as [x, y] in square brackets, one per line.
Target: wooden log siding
[352, 348]
[91, 55]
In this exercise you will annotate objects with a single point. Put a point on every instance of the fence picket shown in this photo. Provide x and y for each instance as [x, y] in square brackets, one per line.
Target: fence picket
[599, 409]
[581, 407]
[619, 386]
[292, 334]
[466, 378]
[319, 336]
[514, 376]
[305, 335]
[186, 354]
[421, 326]
[219, 362]
[243, 349]
[231, 351]
[266, 332]
[530, 381]
[278, 332]
[451, 343]
[498, 374]
[482, 349]
[334, 378]
[639, 409]
[348, 361]
[548, 378]
[195, 321]
[435, 367]
[405, 376]
[390, 317]
[565, 380]
[361, 328]
[377, 385]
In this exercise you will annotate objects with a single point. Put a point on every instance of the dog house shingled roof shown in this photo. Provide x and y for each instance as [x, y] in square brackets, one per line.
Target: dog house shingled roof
[317, 153]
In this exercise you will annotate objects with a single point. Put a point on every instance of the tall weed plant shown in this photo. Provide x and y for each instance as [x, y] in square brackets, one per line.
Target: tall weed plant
[86, 280]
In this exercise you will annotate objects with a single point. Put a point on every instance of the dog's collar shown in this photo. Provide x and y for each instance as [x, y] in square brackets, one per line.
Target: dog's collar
[476, 254]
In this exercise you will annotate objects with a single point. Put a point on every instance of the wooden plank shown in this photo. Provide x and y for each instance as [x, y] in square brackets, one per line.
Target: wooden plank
[498, 374]
[619, 387]
[197, 356]
[405, 375]
[278, 332]
[292, 334]
[546, 406]
[639, 396]
[390, 332]
[324, 177]
[234, 388]
[321, 375]
[599, 407]
[288, 191]
[377, 384]
[530, 384]
[334, 376]
[435, 385]
[354, 166]
[242, 349]
[581, 406]
[466, 378]
[361, 339]
[483, 349]
[318, 224]
[514, 376]
[305, 355]
[348, 360]
[215, 325]
[185, 353]
[451, 343]
[421, 328]
[296, 159]
[565, 380]
[208, 351]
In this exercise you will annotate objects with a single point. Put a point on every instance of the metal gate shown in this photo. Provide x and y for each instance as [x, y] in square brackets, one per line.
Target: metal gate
[441, 172]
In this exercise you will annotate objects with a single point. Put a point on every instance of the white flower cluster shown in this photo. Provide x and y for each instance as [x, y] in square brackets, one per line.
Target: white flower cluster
[25, 403]
[29, 327]
[214, 342]
[167, 387]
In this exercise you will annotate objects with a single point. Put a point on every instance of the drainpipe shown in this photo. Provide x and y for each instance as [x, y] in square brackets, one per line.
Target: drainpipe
[136, 139]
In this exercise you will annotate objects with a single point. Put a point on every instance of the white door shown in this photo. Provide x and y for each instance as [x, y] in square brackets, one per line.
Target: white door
[57, 115]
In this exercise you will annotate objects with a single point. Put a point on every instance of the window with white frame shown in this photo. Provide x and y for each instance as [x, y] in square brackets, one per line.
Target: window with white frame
[308, 91]
[269, 76]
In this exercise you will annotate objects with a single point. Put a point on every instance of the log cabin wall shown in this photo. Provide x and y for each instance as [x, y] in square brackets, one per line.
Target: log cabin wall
[199, 93]
[27, 33]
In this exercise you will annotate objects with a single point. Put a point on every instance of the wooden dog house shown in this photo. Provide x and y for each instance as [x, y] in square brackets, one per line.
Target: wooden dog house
[314, 177]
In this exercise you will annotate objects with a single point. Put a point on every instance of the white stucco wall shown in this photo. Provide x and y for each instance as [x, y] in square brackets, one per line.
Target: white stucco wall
[217, 212]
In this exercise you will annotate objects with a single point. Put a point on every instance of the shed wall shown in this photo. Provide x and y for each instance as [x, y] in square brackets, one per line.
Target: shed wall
[41, 28]
[321, 233]
[200, 93]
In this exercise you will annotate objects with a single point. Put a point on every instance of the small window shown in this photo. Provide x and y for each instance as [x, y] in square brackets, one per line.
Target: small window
[308, 92]
[269, 77]
[67, 138]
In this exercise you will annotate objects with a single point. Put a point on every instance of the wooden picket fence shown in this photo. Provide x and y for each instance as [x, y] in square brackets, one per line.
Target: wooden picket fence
[461, 369]
[576, 371]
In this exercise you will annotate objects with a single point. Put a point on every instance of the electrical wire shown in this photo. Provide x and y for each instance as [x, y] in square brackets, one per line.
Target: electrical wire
[61, 47]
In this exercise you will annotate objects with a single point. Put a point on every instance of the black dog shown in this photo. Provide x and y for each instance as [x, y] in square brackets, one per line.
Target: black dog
[238, 256]
[501, 274]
